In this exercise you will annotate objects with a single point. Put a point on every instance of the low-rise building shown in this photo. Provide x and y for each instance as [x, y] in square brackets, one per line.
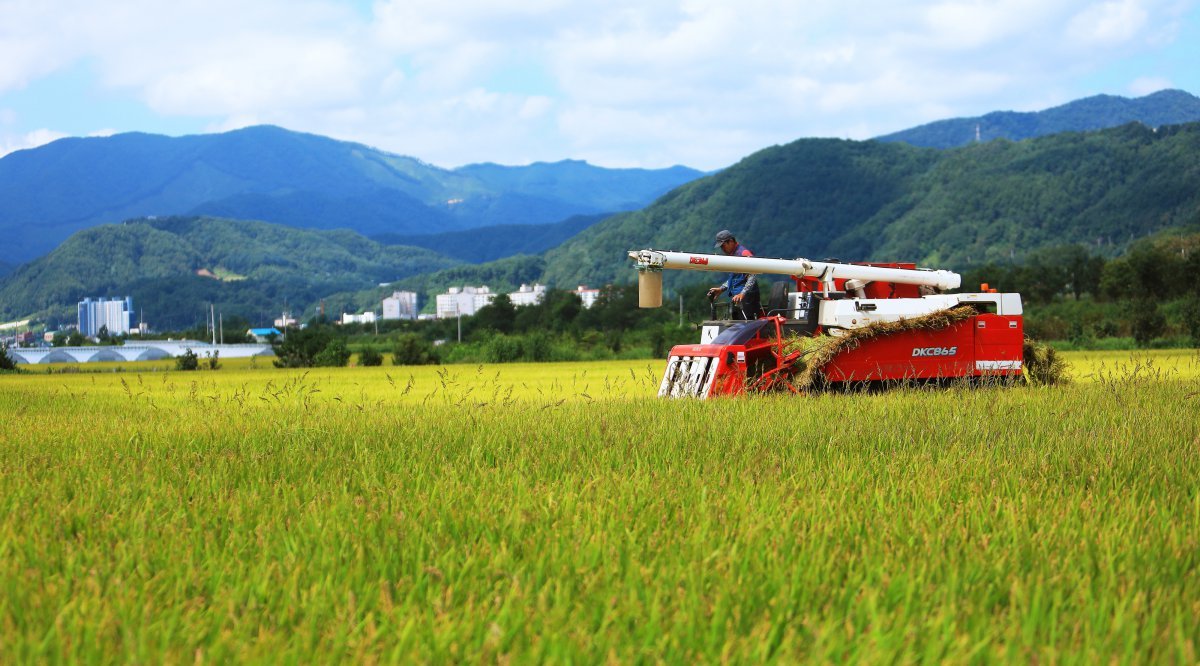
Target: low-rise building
[262, 335]
[463, 301]
[364, 318]
[528, 295]
[588, 296]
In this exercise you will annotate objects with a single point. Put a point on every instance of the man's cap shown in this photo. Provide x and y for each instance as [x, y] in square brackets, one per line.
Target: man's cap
[722, 236]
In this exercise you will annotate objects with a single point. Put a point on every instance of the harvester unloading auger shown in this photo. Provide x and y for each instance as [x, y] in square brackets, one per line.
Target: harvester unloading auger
[842, 324]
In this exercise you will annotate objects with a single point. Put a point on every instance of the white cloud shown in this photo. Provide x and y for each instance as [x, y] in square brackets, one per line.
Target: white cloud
[38, 137]
[622, 82]
[1108, 23]
[1149, 84]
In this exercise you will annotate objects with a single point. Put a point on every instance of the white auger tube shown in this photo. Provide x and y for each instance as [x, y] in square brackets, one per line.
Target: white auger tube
[657, 260]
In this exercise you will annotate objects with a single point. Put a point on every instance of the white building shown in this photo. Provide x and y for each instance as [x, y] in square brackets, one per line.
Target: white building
[463, 301]
[588, 296]
[114, 315]
[400, 305]
[528, 295]
[364, 318]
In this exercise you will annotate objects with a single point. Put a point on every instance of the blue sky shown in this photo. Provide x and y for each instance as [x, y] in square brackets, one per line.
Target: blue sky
[618, 83]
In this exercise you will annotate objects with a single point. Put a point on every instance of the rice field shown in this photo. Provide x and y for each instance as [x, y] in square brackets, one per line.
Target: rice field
[559, 512]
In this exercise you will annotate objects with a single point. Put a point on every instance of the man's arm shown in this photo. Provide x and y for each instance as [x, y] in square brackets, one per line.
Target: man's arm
[719, 289]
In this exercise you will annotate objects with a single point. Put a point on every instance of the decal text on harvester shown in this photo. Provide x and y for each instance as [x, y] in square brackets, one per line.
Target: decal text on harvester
[934, 351]
[702, 261]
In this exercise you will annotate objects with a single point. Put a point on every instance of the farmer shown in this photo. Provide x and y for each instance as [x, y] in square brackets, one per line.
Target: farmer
[742, 287]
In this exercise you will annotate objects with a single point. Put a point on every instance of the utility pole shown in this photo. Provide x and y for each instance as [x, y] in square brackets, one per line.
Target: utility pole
[212, 320]
[222, 320]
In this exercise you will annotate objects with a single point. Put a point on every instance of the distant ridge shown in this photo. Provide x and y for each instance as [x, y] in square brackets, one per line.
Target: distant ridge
[1166, 107]
[172, 266]
[952, 209]
[304, 180]
[495, 242]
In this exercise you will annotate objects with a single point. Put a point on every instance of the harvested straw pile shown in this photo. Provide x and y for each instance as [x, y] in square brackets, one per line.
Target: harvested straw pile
[1043, 365]
[819, 351]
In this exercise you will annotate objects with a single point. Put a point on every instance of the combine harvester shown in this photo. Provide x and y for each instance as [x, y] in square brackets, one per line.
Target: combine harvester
[843, 324]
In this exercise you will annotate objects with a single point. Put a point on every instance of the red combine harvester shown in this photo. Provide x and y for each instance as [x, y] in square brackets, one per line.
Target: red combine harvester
[842, 324]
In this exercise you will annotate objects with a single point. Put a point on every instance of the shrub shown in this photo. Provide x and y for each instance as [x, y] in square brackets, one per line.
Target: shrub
[370, 356]
[537, 346]
[502, 348]
[214, 362]
[187, 361]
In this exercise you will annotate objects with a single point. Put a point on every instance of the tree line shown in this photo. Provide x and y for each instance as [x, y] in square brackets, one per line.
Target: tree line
[1149, 296]
[1150, 293]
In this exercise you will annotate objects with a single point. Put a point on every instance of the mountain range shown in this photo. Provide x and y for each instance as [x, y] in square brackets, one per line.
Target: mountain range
[952, 208]
[870, 200]
[303, 180]
[1165, 107]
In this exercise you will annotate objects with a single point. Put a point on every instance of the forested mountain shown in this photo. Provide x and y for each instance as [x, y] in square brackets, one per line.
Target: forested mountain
[951, 209]
[1166, 107]
[272, 174]
[173, 267]
[496, 242]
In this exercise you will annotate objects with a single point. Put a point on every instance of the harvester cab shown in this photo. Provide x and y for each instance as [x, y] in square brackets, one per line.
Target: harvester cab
[839, 324]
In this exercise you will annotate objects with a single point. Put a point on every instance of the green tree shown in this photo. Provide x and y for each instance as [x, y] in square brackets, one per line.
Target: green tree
[1148, 321]
[335, 354]
[565, 307]
[300, 346]
[412, 349]
[1191, 318]
[499, 315]
[6, 361]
